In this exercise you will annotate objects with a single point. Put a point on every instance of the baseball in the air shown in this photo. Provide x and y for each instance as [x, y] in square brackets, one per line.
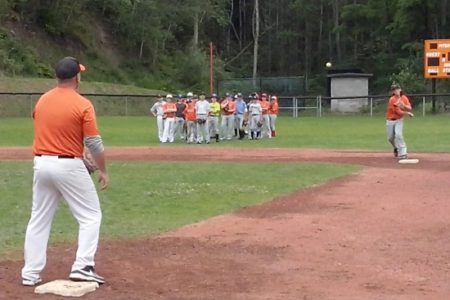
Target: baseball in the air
[328, 64]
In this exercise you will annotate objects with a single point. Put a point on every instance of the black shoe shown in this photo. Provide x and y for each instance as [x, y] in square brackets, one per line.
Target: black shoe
[86, 274]
[395, 152]
[403, 157]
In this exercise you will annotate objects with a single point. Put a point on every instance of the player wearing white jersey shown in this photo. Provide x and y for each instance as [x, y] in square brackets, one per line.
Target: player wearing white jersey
[202, 112]
[157, 111]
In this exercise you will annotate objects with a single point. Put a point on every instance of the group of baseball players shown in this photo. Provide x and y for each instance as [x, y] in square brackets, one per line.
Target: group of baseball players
[194, 119]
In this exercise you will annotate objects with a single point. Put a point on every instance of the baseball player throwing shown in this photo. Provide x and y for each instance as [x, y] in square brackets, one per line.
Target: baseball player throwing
[64, 122]
[398, 107]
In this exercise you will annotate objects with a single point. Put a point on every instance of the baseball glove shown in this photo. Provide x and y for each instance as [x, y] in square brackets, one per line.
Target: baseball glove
[201, 121]
[89, 162]
[259, 124]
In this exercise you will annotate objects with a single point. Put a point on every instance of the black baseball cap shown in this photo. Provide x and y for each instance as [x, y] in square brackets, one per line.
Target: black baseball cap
[68, 67]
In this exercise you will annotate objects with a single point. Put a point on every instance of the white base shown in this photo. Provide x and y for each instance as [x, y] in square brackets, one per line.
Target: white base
[408, 161]
[66, 288]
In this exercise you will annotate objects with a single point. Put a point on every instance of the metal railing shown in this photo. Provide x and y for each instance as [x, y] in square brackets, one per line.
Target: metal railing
[22, 104]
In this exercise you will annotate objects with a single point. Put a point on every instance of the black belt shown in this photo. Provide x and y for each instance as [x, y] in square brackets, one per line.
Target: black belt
[393, 119]
[59, 156]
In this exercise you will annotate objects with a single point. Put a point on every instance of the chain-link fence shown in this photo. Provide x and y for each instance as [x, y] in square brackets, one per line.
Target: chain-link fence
[286, 86]
[22, 104]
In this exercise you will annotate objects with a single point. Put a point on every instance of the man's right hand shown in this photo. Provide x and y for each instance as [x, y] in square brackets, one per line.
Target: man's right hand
[103, 179]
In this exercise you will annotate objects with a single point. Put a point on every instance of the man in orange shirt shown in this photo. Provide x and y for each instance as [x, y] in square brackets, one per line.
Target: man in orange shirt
[273, 113]
[170, 110]
[398, 107]
[64, 123]
[265, 130]
[191, 118]
[228, 108]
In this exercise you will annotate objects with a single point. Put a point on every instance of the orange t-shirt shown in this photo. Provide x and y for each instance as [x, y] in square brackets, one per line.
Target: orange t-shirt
[265, 107]
[273, 109]
[230, 107]
[189, 112]
[62, 118]
[393, 111]
[170, 109]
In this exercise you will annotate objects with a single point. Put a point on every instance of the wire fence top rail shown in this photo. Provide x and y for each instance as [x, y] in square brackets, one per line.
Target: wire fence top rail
[83, 94]
[280, 96]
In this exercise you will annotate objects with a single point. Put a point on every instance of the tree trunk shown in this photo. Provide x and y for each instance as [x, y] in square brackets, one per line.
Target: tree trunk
[196, 25]
[141, 49]
[230, 26]
[256, 40]
[319, 42]
[336, 28]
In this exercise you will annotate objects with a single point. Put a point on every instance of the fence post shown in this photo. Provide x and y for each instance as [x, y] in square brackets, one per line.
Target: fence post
[320, 106]
[294, 100]
[371, 107]
[423, 106]
[126, 106]
[31, 104]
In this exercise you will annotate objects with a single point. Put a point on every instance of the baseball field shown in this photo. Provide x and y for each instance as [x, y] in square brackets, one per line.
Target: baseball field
[323, 211]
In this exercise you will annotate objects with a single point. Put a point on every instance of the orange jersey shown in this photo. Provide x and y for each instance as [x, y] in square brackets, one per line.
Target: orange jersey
[265, 107]
[62, 118]
[170, 109]
[394, 112]
[189, 112]
[273, 108]
[228, 107]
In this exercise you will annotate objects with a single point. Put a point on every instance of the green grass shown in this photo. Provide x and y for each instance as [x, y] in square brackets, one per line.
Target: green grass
[40, 85]
[423, 134]
[149, 198]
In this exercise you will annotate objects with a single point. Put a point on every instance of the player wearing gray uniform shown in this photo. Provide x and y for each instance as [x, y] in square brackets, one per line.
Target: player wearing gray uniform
[254, 111]
[157, 111]
[241, 109]
[202, 112]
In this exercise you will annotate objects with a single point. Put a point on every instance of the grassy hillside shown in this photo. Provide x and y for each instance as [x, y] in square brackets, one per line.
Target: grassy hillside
[38, 85]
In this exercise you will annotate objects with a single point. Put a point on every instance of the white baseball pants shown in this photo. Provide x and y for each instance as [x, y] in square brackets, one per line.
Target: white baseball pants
[265, 130]
[273, 121]
[56, 178]
[169, 130]
[160, 125]
[227, 126]
[395, 136]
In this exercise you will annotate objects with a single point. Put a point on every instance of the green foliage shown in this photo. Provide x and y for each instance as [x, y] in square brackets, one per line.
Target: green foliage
[18, 59]
[164, 43]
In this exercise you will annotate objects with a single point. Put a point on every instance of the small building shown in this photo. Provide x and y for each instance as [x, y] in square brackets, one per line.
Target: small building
[348, 85]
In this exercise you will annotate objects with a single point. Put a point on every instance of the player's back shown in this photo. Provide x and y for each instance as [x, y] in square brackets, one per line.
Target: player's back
[61, 119]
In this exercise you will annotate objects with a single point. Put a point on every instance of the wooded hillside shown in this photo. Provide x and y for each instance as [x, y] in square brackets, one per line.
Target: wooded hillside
[164, 44]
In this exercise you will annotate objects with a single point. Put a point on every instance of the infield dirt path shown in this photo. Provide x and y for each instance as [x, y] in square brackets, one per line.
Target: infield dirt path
[383, 233]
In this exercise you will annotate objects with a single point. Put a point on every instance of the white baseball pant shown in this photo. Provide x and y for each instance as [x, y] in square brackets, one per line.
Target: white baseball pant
[169, 127]
[395, 136]
[56, 178]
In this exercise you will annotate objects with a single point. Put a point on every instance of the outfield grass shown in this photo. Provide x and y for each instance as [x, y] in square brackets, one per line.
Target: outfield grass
[423, 134]
[148, 198]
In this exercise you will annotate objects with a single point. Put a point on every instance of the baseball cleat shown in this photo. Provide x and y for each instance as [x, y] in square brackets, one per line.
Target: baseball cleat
[86, 274]
[31, 282]
[403, 157]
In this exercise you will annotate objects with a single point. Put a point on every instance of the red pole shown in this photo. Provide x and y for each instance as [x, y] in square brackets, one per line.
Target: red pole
[211, 68]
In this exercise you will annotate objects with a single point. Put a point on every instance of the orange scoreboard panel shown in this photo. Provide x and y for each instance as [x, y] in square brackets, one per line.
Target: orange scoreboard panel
[437, 59]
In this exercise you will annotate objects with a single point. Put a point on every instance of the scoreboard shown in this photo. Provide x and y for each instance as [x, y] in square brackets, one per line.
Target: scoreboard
[437, 59]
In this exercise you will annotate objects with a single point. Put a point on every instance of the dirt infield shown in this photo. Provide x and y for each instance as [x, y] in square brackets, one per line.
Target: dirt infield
[383, 233]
